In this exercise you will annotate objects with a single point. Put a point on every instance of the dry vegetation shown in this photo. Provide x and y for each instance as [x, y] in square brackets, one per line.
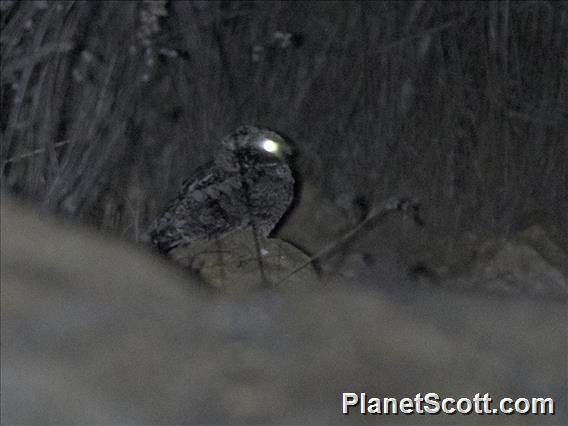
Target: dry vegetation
[108, 105]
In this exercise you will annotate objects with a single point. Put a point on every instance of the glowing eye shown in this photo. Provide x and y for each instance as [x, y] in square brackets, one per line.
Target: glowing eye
[270, 146]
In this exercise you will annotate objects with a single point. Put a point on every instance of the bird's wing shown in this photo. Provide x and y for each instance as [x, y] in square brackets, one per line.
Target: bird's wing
[202, 177]
[192, 213]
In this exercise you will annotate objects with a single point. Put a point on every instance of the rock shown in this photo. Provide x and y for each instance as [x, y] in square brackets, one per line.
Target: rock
[529, 264]
[234, 264]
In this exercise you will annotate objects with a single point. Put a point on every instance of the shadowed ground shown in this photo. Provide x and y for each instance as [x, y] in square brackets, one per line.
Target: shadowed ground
[97, 331]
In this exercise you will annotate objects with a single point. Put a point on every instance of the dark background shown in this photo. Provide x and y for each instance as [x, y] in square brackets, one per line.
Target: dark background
[107, 106]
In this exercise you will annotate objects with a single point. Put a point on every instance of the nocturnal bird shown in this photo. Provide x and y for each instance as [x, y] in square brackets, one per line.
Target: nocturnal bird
[248, 183]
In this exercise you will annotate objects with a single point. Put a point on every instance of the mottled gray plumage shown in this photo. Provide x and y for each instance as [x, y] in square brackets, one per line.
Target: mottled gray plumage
[249, 183]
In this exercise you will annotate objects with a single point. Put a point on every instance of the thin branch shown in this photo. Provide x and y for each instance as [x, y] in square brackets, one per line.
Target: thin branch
[408, 207]
[32, 153]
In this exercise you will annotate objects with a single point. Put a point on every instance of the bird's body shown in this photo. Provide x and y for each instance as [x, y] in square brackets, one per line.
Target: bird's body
[249, 183]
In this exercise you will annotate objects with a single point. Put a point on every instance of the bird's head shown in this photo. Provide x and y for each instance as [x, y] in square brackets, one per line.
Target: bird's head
[257, 144]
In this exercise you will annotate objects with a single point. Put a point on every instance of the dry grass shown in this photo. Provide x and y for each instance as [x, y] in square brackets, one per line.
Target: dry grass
[462, 104]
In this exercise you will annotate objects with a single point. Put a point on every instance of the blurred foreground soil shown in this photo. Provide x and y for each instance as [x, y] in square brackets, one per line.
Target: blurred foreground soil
[97, 331]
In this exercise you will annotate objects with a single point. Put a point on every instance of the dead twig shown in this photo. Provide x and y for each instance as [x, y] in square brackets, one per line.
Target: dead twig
[408, 207]
[32, 153]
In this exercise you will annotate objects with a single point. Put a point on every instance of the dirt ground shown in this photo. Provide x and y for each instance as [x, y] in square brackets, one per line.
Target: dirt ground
[97, 331]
